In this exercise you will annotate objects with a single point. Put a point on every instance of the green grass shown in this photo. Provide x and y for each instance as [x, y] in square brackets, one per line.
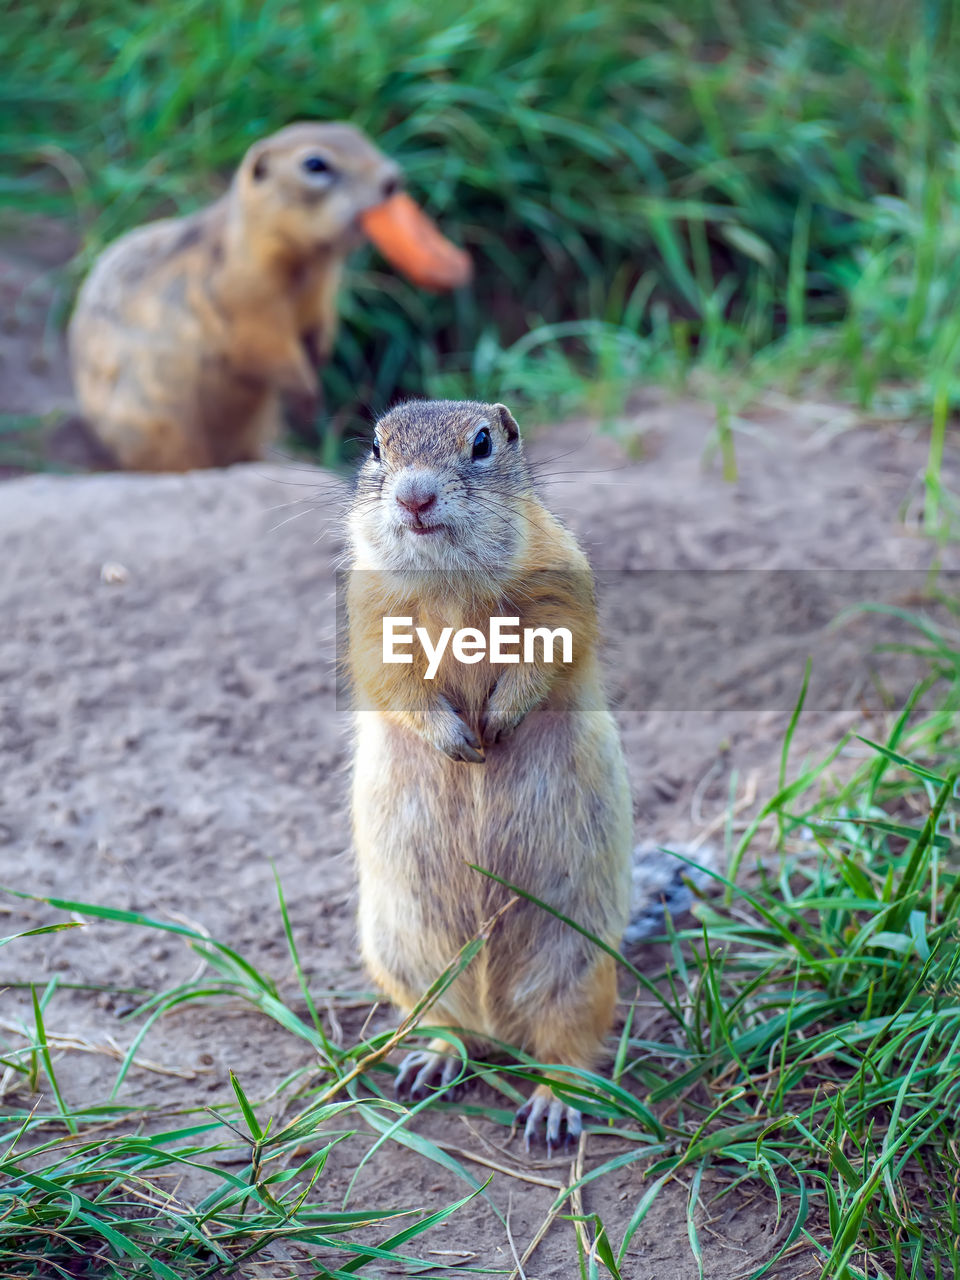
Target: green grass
[805, 1040]
[649, 190]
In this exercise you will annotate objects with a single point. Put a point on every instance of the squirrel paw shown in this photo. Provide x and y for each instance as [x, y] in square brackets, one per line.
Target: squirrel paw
[510, 702]
[496, 730]
[456, 739]
[467, 747]
[304, 406]
[542, 1104]
[499, 718]
[429, 1072]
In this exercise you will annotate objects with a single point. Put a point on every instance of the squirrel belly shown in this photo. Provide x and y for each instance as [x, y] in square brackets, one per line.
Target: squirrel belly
[549, 811]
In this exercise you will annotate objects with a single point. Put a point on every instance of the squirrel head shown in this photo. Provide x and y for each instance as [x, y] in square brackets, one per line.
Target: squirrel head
[307, 185]
[444, 487]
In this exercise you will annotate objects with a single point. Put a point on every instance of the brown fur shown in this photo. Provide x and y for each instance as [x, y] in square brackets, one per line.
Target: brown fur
[189, 332]
[548, 808]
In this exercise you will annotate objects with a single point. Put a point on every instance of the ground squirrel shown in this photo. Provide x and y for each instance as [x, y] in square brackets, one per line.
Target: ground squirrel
[189, 332]
[516, 768]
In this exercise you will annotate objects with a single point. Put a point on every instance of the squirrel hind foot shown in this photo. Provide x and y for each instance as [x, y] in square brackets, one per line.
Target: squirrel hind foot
[430, 1071]
[563, 1122]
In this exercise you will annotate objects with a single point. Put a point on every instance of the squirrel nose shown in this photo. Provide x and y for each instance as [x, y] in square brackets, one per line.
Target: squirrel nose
[417, 503]
[416, 494]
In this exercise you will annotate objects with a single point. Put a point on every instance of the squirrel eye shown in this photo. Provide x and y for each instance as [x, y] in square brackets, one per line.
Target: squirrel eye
[482, 444]
[316, 164]
[376, 448]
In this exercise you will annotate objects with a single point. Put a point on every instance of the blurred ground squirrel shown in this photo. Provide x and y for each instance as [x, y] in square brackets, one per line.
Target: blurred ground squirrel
[189, 332]
[517, 768]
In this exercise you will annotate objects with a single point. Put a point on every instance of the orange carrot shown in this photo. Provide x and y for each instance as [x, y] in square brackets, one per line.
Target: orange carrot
[412, 242]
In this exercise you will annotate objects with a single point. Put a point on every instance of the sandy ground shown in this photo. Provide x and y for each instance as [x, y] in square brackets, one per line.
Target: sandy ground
[170, 733]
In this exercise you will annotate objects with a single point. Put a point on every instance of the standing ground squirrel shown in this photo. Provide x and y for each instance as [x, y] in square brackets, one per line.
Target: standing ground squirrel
[516, 768]
[189, 332]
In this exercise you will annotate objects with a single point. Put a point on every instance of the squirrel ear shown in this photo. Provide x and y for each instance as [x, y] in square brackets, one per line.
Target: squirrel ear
[508, 422]
[260, 167]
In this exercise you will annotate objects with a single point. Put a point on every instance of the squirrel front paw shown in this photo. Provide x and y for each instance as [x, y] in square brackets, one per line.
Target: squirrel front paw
[495, 726]
[304, 406]
[450, 733]
[299, 386]
[511, 701]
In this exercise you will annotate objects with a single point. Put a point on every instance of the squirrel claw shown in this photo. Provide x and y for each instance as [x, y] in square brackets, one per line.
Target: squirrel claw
[466, 745]
[558, 1114]
[428, 1072]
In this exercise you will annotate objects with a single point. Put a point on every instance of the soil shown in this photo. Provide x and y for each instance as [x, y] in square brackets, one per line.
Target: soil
[170, 735]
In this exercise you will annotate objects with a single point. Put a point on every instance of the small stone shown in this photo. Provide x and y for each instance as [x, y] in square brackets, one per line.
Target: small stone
[113, 574]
